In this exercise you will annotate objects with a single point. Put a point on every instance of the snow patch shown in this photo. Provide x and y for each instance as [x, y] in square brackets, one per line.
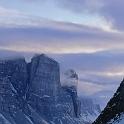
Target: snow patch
[3, 120]
[29, 119]
[13, 89]
[120, 120]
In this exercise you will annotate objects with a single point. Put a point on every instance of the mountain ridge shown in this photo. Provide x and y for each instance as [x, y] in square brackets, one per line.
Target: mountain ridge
[114, 108]
[31, 93]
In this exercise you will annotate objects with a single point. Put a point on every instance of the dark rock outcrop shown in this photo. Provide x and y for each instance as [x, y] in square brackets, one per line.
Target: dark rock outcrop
[114, 108]
[16, 72]
[31, 93]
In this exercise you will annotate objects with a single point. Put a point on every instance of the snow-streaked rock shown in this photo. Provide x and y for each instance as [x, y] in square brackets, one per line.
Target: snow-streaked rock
[31, 93]
[114, 108]
[89, 110]
[15, 71]
[117, 120]
[3, 120]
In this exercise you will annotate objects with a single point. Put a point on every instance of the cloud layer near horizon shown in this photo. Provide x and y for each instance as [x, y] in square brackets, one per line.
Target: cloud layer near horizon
[59, 38]
[99, 73]
[110, 10]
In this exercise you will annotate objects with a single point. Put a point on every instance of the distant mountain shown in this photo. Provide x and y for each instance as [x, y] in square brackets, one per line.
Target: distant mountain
[89, 110]
[114, 111]
[31, 93]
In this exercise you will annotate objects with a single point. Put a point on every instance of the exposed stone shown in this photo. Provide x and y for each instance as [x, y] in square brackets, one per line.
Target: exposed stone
[31, 93]
[16, 72]
[114, 108]
[45, 76]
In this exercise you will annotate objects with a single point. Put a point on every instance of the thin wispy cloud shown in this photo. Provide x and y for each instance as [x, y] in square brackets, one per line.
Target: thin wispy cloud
[17, 17]
[110, 10]
[59, 40]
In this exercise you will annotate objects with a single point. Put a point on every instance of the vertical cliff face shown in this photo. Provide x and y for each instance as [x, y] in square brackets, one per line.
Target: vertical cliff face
[75, 100]
[44, 84]
[69, 84]
[30, 93]
[45, 76]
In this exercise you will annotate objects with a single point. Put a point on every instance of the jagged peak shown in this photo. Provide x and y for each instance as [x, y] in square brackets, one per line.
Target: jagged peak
[114, 107]
[43, 57]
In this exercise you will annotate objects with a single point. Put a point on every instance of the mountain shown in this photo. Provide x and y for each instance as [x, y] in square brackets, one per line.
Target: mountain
[89, 110]
[102, 97]
[31, 93]
[114, 111]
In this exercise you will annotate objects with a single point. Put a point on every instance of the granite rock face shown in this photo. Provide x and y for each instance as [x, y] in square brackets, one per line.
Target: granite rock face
[16, 72]
[45, 78]
[31, 93]
[69, 85]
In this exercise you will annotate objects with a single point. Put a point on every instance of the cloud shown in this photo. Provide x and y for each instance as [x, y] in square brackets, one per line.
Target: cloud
[113, 10]
[8, 12]
[15, 18]
[17, 31]
[100, 66]
[97, 72]
[110, 10]
[59, 38]
[80, 5]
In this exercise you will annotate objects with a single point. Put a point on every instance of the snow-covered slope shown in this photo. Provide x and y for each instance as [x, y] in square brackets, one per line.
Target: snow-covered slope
[90, 111]
[113, 112]
[117, 120]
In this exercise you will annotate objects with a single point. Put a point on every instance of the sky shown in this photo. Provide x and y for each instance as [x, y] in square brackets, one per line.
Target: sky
[86, 35]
